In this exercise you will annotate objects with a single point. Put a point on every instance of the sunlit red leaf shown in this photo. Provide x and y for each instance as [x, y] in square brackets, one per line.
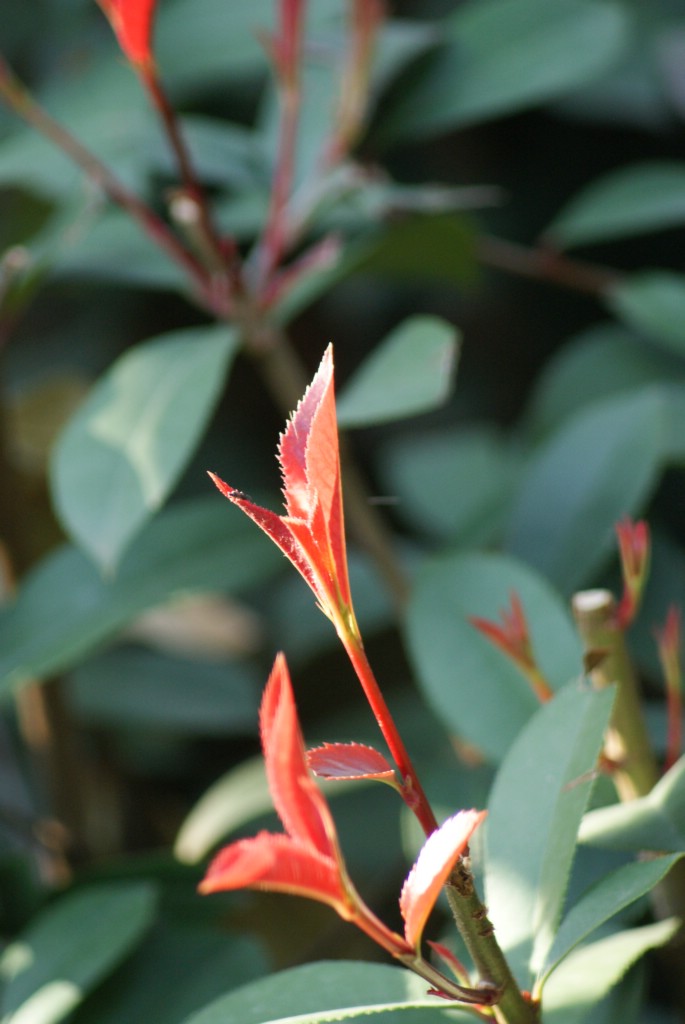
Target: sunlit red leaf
[350, 761]
[276, 863]
[132, 24]
[432, 868]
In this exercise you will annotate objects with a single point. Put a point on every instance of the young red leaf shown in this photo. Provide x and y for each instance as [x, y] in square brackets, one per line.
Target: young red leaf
[350, 761]
[634, 550]
[432, 868]
[132, 24]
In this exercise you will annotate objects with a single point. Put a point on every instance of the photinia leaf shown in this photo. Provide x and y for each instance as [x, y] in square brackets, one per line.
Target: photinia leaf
[325, 992]
[125, 448]
[632, 200]
[591, 971]
[544, 782]
[601, 902]
[349, 761]
[410, 372]
[652, 302]
[435, 861]
[132, 23]
[70, 947]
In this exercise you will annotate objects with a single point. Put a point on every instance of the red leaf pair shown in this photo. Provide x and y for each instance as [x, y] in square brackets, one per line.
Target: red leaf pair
[132, 24]
[311, 534]
[305, 860]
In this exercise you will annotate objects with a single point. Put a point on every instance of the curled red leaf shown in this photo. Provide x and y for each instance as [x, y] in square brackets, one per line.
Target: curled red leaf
[132, 23]
[350, 761]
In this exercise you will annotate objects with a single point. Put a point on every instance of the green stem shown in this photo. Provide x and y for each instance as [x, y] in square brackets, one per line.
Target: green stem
[471, 918]
[627, 744]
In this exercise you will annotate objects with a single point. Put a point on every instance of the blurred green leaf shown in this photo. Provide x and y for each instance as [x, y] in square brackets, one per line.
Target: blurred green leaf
[325, 992]
[500, 56]
[409, 372]
[599, 362]
[653, 303]
[120, 455]
[536, 804]
[70, 947]
[198, 545]
[601, 902]
[591, 971]
[131, 686]
[630, 201]
[652, 822]
[601, 465]
[454, 484]
[178, 969]
[474, 688]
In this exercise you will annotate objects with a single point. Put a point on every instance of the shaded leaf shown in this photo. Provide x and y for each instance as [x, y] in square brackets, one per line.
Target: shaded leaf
[601, 465]
[653, 303]
[325, 992]
[410, 372]
[500, 56]
[601, 902]
[192, 546]
[477, 691]
[591, 971]
[536, 805]
[70, 947]
[652, 822]
[123, 451]
[337, 761]
[630, 201]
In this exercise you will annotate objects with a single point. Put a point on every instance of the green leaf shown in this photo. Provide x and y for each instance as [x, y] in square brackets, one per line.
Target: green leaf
[599, 362]
[197, 964]
[326, 992]
[132, 686]
[633, 200]
[652, 303]
[424, 476]
[475, 689]
[195, 546]
[599, 904]
[590, 972]
[601, 465]
[501, 56]
[121, 454]
[536, 805]
[70, 948]
[410, 372]
[652, 822]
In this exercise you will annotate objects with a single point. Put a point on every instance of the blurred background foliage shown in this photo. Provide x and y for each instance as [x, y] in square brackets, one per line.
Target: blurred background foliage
[517, 199]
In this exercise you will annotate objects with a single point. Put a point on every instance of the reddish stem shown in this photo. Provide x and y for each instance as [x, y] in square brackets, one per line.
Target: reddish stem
[412, 790]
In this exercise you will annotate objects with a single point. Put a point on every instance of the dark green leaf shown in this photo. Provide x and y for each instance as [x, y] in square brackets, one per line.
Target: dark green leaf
[454, 485]
[601, 902]
[132, 686]
[653, 303]
[326, 992]
[501, 56]
[123, 451]
[475, 688]
[410, 372]
[599, 466]
[536, 805]
[70, 948]
[630, 201]
[196, 546]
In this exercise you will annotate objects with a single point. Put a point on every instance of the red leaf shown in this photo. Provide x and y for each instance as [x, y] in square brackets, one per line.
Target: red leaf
[433, 865]
[300, 805]
[132, 24]
[349, 761]
[276, 863]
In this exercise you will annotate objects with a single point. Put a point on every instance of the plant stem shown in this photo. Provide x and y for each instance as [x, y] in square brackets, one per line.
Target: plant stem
[546, 264]
[22, 103]
[627, 743]
[470, 916]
